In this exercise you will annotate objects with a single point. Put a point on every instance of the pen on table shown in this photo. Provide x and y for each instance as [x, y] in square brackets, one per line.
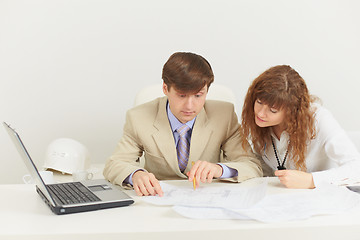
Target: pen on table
[194, 180]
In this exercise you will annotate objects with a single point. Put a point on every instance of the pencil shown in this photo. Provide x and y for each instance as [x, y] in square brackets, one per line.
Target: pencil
[194, 180]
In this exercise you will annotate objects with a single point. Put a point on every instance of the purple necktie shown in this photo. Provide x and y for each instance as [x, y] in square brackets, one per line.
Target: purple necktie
[183, 147]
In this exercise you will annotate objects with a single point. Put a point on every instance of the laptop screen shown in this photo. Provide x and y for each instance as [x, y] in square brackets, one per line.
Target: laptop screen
[28, 161]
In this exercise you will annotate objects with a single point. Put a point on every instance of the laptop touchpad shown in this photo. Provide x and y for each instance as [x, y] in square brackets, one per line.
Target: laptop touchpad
[96, 188]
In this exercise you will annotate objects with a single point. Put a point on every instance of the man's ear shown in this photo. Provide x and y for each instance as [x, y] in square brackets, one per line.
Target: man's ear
[165, 89]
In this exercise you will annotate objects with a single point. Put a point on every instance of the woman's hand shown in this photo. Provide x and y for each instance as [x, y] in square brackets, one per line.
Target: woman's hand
[295, 179]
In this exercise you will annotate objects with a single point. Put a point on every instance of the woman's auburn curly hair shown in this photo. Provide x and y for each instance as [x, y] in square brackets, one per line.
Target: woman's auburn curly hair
[280, 87]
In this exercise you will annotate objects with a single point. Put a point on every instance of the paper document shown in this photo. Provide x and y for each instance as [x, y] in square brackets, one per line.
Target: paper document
[235, 202]
[226, 197]
[283, 207]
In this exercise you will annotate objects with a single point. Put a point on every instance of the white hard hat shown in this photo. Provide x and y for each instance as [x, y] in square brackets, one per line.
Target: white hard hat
[67, 156]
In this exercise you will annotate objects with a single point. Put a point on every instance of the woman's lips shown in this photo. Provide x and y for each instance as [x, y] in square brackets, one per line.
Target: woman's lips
[260, 119]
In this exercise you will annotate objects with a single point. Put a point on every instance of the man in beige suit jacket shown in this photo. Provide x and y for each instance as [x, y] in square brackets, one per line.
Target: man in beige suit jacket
[149, 129]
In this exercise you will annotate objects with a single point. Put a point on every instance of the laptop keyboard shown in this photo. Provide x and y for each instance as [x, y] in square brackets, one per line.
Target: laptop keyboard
[70, 193]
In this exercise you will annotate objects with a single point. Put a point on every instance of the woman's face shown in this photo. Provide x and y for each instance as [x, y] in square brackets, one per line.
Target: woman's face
[267, 116]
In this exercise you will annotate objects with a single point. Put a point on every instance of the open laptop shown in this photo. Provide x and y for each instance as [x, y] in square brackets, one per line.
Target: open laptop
[71, 197]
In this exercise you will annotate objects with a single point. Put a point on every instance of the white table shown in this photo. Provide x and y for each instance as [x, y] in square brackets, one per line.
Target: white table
[23, 215]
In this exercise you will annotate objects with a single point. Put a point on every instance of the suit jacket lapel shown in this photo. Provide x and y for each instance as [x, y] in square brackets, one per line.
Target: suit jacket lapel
[164, 138]
[199, 138]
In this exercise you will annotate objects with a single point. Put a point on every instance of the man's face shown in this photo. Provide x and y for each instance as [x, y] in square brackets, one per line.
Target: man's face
[185, 106]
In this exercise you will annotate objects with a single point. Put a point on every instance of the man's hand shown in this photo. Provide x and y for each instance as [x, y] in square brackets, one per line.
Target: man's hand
[295, 179]
[204, 171]
[146, 184]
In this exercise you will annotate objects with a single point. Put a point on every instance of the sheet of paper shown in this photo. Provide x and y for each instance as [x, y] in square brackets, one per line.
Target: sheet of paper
[283, 207]
[224, 197]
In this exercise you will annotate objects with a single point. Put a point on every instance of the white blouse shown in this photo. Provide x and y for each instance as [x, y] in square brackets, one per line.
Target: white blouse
[331, 157]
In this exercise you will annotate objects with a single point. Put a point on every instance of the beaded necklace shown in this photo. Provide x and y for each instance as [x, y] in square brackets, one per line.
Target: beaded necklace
[280, 166]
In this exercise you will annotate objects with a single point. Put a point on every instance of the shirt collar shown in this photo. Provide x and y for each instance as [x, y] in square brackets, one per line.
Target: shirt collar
[283, 143]
[174, 122]
[284, 137]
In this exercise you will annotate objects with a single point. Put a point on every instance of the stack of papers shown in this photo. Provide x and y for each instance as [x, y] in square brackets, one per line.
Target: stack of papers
[234, 202]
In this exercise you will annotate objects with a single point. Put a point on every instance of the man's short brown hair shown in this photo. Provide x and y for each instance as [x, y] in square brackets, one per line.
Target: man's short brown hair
[187, 72]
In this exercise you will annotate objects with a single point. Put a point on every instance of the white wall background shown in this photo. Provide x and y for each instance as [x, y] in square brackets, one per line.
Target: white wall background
[71, 68]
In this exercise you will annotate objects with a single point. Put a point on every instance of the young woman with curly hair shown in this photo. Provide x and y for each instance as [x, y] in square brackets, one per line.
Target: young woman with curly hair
[298, 140]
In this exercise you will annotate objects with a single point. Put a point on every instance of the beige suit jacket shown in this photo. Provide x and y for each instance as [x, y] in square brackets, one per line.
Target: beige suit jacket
[215, 138]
